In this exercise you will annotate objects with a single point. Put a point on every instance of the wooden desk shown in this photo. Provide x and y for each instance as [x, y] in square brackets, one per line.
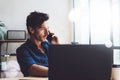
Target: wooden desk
[115, 76]
[116, 73]
[25, 78]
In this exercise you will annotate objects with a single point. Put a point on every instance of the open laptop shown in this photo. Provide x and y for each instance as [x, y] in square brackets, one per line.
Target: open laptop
[80, 62]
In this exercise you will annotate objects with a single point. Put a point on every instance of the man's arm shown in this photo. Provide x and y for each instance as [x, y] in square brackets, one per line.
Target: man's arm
[37, 70]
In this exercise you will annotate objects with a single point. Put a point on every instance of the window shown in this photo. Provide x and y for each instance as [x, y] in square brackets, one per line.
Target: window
[98, 23]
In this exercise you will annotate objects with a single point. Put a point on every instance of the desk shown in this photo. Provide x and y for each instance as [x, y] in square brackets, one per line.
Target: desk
[25, 78]
[115, 76]
[116, 73]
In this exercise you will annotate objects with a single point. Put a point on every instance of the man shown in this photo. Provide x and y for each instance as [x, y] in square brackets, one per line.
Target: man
[32, 56]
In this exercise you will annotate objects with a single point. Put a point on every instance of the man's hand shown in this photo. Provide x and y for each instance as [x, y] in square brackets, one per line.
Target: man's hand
[55, 40]
[52, 38]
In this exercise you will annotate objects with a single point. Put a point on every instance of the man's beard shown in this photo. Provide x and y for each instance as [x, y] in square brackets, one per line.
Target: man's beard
[40, 38]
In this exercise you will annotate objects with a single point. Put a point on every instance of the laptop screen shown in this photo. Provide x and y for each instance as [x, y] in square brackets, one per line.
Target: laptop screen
[80, 62]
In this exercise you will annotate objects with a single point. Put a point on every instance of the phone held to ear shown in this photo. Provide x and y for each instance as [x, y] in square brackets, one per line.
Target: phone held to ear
[49, 37]
[52, 38]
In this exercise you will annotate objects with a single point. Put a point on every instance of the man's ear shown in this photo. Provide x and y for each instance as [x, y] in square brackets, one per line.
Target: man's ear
[31, 30]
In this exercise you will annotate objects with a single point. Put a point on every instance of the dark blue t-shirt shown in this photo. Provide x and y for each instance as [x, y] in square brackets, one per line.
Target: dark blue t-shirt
[28, 54]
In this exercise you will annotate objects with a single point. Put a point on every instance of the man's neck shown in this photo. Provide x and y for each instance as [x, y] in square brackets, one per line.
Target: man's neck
[37, 42]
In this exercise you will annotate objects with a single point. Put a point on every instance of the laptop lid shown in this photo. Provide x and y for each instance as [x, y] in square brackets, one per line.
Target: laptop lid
[80, 62]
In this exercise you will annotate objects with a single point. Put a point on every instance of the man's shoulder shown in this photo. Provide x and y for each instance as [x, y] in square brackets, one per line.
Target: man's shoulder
[22, 47]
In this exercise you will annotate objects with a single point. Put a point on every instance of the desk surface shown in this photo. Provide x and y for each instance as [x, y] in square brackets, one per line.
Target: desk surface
[25, 78]
[115, 76]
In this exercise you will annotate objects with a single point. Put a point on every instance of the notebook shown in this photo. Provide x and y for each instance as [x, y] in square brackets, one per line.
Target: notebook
[80, 62]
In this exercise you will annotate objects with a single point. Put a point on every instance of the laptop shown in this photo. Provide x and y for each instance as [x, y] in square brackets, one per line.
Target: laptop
[80, 62]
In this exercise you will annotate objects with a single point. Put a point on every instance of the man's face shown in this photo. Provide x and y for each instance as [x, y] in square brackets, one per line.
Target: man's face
[41, 32]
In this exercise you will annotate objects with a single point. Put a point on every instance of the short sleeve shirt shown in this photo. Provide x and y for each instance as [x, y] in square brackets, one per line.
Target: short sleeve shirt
[28, 54]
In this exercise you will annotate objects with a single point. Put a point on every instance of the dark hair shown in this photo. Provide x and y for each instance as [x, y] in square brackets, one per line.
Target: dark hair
[35, 19]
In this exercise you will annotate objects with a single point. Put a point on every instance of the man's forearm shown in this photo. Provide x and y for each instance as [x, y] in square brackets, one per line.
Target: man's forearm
[37, 70]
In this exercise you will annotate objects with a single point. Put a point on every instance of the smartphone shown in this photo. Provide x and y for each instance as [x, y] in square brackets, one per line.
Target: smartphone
[49, 37]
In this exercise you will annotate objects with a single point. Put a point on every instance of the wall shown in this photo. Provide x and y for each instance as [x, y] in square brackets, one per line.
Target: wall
[13, 13]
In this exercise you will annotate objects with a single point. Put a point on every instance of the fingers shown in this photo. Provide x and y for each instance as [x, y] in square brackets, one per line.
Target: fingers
[55, 40]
